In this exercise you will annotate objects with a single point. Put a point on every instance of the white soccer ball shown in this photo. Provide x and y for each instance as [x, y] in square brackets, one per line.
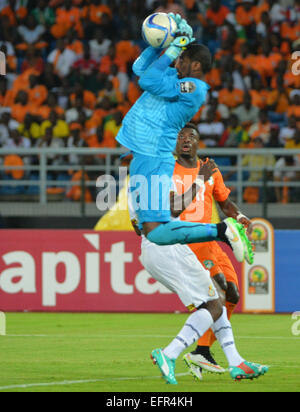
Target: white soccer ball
[159, 30]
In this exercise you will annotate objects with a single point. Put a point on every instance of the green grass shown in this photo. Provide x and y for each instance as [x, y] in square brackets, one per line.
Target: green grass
[113, 351]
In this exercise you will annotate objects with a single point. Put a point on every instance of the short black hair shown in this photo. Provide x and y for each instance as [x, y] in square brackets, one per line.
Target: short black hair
[200, 53]
[192, 126]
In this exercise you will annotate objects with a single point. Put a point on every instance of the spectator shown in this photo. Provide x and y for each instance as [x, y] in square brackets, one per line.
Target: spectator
[211, 131]
[113, 125]
[95, 11]
[73, 43]
[245, 59]
[86, 66]
[14, 11]
[99, 45]
[37, 93]
[264, 27]
[21, 106]
[126, 50]
[278, 99]
[274, 141]
[283, 175]
[60, 128]
[50, 79]
[114, 95]
[294, 143]
[72, 114]
[112, 58]
[246, 112]
[48, 141]
[119, 80]
[88, 98]
[62, 59]
[134, 91]
[11, 60]
[66, 18]
[51, 104]
[245, 15]
[221, 110]
[167, 6]
[33, 60]
[6, 96]
[261, 129]
[17, 161]
[230, 96]
[16, 140]
[277, 12]
[7, 124]
[259, 94]
[43, 14]
[75, 141]
[235, 135]
[290, 30]
[32, 32]
[217, 13]
[30, 128]
[294, 108]
[287, 133]
[213, 78]
[267, 62]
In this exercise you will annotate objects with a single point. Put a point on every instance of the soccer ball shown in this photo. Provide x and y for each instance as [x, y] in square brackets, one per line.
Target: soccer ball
[159, 30]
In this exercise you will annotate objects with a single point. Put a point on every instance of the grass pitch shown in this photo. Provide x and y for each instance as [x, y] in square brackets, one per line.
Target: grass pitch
[110, 353]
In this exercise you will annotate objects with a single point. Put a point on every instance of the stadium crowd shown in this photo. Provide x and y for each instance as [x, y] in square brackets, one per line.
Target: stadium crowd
[69, 81]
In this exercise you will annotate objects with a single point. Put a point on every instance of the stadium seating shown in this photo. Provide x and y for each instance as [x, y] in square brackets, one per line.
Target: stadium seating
[82, 51]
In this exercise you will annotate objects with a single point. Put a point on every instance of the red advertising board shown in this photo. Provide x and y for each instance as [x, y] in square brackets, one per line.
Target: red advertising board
[78, 271]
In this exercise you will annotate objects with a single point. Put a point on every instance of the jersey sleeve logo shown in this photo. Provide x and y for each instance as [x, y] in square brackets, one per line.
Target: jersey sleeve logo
[187, 87]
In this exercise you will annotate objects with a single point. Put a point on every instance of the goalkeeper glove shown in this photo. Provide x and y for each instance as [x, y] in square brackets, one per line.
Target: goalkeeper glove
[184, 37]
[182, 26]
[178, 45]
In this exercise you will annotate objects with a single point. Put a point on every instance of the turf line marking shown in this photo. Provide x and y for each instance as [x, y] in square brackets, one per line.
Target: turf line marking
[63, 383]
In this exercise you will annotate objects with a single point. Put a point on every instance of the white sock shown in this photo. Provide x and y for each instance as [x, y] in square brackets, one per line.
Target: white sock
[195, 327]
[223, 332]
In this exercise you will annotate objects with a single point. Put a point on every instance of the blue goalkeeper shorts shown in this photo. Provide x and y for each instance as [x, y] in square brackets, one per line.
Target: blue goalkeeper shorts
[150, 185]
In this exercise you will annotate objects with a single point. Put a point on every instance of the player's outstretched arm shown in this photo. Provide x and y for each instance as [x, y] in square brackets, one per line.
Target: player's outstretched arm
[230, 209]
[148, 56]
[155, 79]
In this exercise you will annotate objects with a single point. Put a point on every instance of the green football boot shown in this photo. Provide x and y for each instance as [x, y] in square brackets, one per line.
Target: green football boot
[166, 366]
[236, 237]
[247, 370]
[249, 252]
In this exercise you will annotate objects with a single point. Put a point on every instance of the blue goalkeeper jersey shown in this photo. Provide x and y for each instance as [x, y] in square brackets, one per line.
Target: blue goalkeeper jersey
[152, 125]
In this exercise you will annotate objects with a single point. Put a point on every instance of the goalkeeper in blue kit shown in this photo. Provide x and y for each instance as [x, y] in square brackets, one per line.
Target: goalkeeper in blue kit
[171, 98]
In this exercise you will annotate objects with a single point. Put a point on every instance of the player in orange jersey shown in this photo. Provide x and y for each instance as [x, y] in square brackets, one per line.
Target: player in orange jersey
[210, 255]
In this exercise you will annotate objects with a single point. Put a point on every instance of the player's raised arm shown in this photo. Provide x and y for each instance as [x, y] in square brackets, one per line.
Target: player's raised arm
[145, 60]
[156, 79]
[228, 207]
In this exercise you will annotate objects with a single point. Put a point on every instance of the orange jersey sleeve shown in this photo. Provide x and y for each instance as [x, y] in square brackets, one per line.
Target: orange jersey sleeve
[220, 191]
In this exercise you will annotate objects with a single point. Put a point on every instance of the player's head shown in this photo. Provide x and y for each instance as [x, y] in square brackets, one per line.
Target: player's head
[195, 61]
[188, 141]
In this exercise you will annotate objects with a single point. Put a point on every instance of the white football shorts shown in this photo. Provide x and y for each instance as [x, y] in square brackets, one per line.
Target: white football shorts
[178, 268]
